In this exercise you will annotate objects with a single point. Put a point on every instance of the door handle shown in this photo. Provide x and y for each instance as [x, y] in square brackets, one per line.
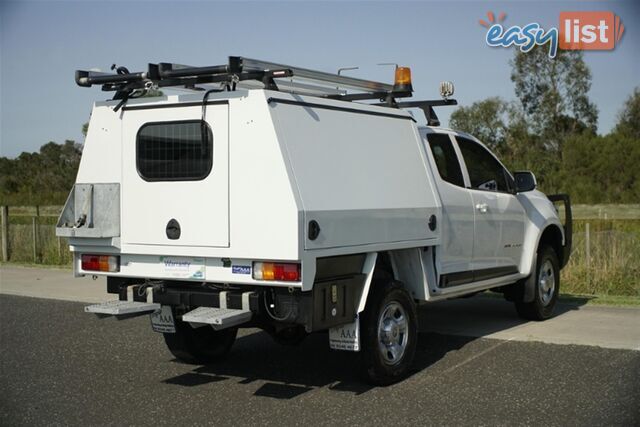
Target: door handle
[482, 207]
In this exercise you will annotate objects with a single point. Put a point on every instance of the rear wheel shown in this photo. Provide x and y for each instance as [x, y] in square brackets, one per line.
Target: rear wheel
[546, 288]
[199, 345]
[389, 333]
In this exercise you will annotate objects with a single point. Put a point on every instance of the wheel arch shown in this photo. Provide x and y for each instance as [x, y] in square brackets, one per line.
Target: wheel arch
[553, 236]
[402, 265]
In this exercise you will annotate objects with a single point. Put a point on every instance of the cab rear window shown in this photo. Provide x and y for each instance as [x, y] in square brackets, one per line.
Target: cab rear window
[446, 158]
[174, 151]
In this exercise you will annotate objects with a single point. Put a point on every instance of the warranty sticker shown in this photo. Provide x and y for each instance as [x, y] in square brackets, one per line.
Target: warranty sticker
[183, 267]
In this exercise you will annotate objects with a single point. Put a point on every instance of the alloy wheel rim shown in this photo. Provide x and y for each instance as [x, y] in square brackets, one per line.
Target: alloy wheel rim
[393, 336]
[546, 282]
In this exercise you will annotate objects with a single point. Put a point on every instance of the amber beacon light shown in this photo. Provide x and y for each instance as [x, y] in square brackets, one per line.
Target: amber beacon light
[403, 80]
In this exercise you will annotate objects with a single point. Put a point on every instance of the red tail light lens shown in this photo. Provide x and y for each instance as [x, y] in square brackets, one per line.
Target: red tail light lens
[107, 263]
[283, 272]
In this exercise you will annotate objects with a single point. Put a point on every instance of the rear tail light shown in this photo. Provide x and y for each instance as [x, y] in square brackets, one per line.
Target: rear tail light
[283, 272]
[109, 263]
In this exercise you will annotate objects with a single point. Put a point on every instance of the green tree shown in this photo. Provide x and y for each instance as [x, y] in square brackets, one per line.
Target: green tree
[629, 117]
[601, 169]
[486, 120]
[40, 178]
[553, 93]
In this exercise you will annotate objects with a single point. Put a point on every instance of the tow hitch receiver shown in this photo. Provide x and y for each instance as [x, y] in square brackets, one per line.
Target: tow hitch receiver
[122, 308]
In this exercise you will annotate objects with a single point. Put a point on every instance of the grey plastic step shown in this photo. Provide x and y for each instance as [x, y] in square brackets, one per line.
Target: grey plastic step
[219, 318]
[120, 308]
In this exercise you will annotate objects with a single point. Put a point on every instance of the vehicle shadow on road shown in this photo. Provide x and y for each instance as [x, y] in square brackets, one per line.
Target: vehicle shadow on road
[479, 316]
[290, 371]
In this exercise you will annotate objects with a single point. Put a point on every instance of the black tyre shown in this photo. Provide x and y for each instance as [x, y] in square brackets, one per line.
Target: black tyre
[199, 345]
[389, 333]
[546, 287]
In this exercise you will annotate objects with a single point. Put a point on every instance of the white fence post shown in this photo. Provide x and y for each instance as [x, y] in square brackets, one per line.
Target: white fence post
[587, 244]
[34, 226]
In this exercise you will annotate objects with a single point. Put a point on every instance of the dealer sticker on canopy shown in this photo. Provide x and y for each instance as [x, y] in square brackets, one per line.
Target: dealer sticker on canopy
[183, 267]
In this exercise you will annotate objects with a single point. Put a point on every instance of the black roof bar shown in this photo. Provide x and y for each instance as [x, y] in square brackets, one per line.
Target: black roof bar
[427, 108]
[190, 80]
[166, 71]
[88, 78]
[430, 102]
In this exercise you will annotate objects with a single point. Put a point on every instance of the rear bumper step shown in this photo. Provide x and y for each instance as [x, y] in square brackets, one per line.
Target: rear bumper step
[219, 318]
[122, 308]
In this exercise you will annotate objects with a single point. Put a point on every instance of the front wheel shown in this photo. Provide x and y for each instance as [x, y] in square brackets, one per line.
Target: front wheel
[199, 345]
[389, 326]
[546, 289]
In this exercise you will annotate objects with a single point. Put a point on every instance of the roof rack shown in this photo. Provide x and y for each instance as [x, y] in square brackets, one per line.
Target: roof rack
[236, 70]
[248, 72]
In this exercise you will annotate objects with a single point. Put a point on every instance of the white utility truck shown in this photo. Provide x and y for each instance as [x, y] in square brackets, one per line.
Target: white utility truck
[298, 201]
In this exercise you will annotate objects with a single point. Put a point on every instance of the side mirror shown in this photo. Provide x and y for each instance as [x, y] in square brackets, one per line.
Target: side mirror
[525, 181]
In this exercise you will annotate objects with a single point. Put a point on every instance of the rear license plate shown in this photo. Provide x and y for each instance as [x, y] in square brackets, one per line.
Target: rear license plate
[162, 321]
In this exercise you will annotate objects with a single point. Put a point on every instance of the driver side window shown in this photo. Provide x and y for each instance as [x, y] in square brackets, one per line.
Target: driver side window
[485, 172]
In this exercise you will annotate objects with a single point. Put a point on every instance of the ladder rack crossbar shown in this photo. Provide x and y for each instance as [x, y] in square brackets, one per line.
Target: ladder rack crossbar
[339, 80]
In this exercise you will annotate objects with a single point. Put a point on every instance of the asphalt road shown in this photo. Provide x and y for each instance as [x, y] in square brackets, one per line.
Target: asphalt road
[61, 366]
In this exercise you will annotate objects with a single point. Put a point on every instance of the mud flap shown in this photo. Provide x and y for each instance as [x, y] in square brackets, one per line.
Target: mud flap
[162, 321]
[530, 284]
[345, 337]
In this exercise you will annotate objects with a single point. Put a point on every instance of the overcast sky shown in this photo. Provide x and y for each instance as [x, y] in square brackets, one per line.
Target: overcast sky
[43, 43]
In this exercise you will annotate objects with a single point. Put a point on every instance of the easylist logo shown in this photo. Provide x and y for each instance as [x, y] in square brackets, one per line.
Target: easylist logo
[590, 30]
[577, 31]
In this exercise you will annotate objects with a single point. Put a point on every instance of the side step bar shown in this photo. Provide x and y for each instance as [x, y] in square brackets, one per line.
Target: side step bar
[122, 308]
